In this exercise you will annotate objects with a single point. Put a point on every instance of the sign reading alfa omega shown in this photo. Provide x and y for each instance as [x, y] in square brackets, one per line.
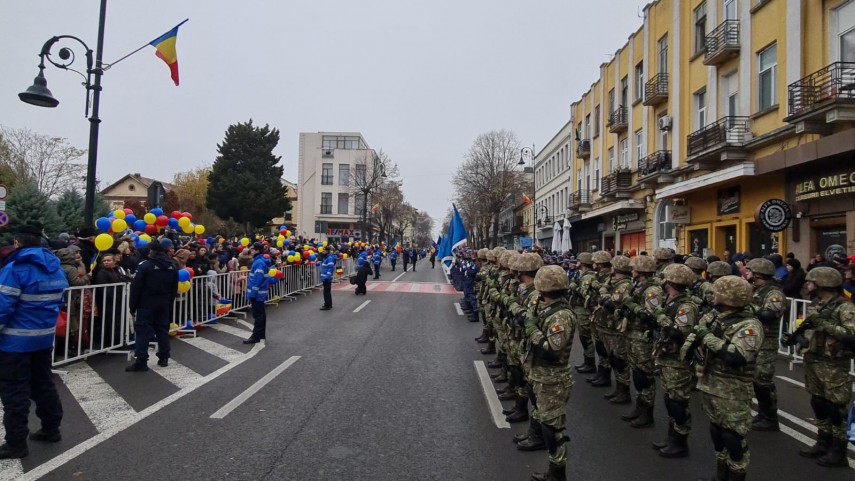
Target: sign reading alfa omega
[773, 215]
[826, 186]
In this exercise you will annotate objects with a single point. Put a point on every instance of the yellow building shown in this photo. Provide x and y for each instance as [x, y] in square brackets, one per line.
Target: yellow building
[708, 112]
[288, 217]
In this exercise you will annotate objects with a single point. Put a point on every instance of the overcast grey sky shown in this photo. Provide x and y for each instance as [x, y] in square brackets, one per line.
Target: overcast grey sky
[419, 79]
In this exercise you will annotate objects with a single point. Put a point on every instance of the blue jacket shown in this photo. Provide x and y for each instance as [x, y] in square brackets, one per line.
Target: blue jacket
[31, 289]
[377, 258]
[362, 259]
[393, 256]
[256, 288]
[328, 268]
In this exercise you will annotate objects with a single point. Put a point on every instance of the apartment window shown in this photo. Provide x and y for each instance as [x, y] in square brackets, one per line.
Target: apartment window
[326, 174]
[663, 54]
[730, 88]
[597, 121]
[624, 92]
[611, 100]
[612, 165]
[624, 153]
[579, 131]
[358, 203]
[360, 175]
[662, 138]
[639, 145]
[332, 142]
[578, 180]
[700, 109]
[701, 27]
[768, 66]
[731, 10]
[597, 174]
[326, 202]
[639, 80]
[588, 126]
[344, 175]
[343, 200]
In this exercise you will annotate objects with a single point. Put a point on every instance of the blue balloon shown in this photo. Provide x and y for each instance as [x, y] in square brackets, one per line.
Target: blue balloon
[130, 219]
[103, 224]
[140, 243]
[157, 211]
[140, 225]
[286, 243]
[312, 257]
[183, 276]
[210, 241]
[173, 223]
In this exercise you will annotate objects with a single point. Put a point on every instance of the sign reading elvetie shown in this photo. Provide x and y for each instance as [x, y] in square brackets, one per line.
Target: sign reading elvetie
[826, 186]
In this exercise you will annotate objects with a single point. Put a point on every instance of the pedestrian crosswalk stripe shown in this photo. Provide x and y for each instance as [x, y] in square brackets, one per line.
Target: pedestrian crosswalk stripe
[415, 287]
[9, 468]
[404, 287]
[102, 404]
[225, 353]
[178, 374]
[234, 331]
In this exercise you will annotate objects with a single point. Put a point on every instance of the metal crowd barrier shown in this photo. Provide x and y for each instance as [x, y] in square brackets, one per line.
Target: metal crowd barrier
[97, 318]
[796, 310]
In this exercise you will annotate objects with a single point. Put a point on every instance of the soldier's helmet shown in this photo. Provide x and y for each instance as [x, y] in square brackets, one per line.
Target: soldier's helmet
[644, 264]
[621, 264]
[528, 262]
[732, 291]
[491, 255]
[504, 256]
[601, 257]
[550, 279]
[761, 266]
[696, 263]
[585, 258]
[827, 277]
[663, 254]
[719, 269]
[512, 260]
[498, 249]
[679, 274]
[482, 253]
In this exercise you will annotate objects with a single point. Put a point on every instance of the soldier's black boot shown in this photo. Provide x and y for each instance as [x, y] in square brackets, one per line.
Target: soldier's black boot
[490, 349]
[604, 379]
[677, 448]
[635, 412]
[586, 366]
[500, 378]
[661, 444]
[645, 420]
[614, 393]
[622, 396]
[533, 431]
[520, 413]
[16, 451]
[735, 476]
[510, 392]
[555, 473]
[820, 448]
[836, 455]
[534, 441]
[597, 374]
[483, 338]
[722, 472]
[767, 410]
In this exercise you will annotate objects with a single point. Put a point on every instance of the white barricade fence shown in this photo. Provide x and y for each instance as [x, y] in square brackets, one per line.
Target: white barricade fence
[797, 310]
[93, 320]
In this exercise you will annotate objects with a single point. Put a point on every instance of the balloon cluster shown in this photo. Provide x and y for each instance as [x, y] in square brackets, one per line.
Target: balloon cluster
[123, 221]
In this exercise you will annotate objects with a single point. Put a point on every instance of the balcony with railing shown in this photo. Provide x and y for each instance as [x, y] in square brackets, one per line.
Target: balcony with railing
[583, 148]
[617, 184]
[656, 89]
[826, 95]
[580, 201]
[655, 167]
[618, 121]
[722, 43]
[719, 141]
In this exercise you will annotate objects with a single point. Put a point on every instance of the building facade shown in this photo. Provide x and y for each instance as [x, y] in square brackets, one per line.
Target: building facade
[551, 179]
[289, 217]
[131, 187]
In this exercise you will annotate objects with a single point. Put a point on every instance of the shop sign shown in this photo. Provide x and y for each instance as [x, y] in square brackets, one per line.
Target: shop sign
[620, 221]
[773, 215]
[826, 186]
[728, 201]
[340, 232]
[680, 214]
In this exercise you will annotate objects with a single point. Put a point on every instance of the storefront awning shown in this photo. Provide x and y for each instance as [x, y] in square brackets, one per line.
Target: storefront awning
[622, 205]
[743, 169]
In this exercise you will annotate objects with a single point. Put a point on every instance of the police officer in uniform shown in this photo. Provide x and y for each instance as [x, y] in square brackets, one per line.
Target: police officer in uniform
[675, 320]
[731, 344]
[614, 329]
[769, 305]
[550, 336]
[257, 290]
[602, 264]
[579, 290]
[830, 328]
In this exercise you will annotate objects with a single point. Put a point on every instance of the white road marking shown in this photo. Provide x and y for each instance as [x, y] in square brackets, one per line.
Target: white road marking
[372, 286]
[129, 421]
[101, 403]
[246, 324]
[234, 331]
[225, 353]
[9, 468]
[362, 305]
[490, 394]
[392, 287]
[800, 422]
[178, 374]
[802, 438]
[242, 397]
[458, 308]
[400, 276]
[415, 288]
[791, 381]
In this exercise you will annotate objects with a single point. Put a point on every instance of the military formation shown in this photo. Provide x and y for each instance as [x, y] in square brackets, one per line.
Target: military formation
[695, 326]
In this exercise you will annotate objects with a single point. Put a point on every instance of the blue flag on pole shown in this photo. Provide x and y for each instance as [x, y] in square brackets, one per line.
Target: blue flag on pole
[457, 233]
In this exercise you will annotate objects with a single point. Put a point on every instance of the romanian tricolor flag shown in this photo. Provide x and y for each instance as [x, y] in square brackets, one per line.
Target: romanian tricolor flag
[375, 208]
[526, 200]
[165, 45]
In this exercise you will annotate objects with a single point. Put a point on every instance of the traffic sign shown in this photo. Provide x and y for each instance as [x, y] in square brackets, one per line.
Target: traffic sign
[4, 191]
[4, 218]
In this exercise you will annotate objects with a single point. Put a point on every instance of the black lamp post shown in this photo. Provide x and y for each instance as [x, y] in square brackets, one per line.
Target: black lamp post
[38, 94]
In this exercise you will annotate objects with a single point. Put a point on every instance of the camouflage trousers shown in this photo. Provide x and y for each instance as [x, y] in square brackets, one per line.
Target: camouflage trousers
[677, 384]
[597, 323]
[616, 345]
[551, 411]
[731, 415]
[584, 327]
[829, 380]
[764, 369]
[641, 363]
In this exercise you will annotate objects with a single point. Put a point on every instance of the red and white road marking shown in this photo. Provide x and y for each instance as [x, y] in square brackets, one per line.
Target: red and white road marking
[411, 287]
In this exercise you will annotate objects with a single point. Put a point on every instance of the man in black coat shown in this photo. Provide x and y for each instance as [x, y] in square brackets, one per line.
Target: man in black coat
[362, 277]
[406, 255]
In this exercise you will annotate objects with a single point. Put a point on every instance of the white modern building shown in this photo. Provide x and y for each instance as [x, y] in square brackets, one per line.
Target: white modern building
[328, 162]
[552, 178]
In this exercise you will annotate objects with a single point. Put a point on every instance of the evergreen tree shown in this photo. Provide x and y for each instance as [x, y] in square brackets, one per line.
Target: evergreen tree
[27, 205]
[69, 210]
[245, 181]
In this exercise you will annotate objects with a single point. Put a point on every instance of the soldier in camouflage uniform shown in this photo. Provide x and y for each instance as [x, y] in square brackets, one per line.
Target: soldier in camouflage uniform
[508, 298]
[829, 334]
[602, 264]
[675, 320]
[715, 270]
[664, 257]
[480, 282]
[701, 288]
[730, 344]
[550, 336]
[647, 297]
[769, 304]
[488, 279]
[579, 290]
[500, 317]
[613, 331]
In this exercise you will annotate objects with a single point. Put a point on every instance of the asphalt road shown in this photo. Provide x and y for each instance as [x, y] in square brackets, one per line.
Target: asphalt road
[390, 392]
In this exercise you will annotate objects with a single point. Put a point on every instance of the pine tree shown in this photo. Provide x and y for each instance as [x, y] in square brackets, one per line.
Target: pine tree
[69, 210]
[26, 205]
[245, 181]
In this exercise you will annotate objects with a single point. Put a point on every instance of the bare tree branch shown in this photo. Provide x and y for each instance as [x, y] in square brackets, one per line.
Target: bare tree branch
[48, 163]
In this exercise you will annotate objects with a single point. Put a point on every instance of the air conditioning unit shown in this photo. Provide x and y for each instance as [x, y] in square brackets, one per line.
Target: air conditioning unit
[665, 122]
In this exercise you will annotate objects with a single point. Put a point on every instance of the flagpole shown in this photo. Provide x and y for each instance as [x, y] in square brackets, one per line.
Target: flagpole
[110, 65]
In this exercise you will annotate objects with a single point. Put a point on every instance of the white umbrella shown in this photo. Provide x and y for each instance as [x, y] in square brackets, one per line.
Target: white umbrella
[566, 243]
[556, 236]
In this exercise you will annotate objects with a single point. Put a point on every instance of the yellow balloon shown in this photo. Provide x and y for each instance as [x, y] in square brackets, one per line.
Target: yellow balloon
[200, 229]
[344, 256]
[324, 244]
[183, 222]
[187, 229]
[119, 214]
[145, 237]
[221, 241]
[281, 238]
[104, 242]
[287, 233]
[119, 225]
[271, 273]
[150, 218]
[280, 243]
[244, 242]
[183, 287]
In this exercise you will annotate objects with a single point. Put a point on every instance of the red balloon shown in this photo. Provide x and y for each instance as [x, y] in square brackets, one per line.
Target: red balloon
[162, 221]
[187, 215]
[282, 232]
[151, 229]
[306, 254]
[280, 274]
[190, 271]
[129, 211]
[240, 248]
[175, 214]
[267, 256]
